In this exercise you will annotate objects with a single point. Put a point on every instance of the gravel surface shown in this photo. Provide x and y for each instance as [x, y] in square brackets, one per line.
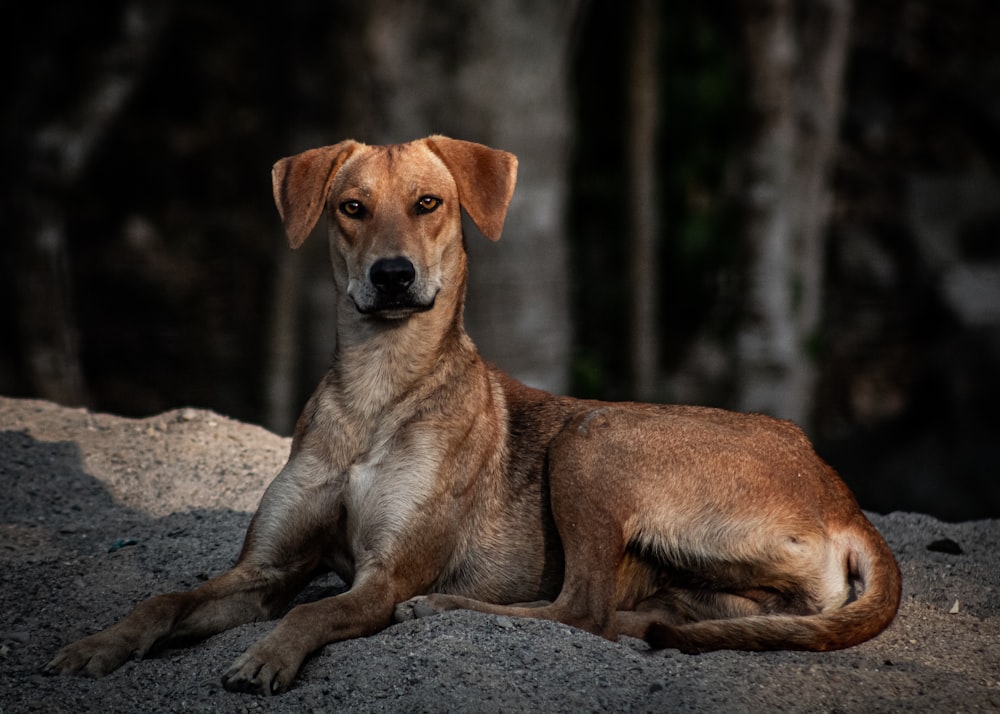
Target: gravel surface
[98, 512]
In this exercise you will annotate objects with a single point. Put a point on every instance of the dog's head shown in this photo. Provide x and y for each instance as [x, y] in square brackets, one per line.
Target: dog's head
[395, 219]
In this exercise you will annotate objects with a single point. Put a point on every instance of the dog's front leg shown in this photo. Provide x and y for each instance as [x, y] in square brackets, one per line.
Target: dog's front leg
[257, 588]
[398, 543]
[271, 664]
[240, 595]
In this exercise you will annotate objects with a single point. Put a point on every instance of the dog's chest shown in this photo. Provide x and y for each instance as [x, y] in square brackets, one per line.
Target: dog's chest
[386, 490]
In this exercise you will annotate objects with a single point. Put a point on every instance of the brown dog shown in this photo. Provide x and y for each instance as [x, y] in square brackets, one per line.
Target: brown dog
[417, 468]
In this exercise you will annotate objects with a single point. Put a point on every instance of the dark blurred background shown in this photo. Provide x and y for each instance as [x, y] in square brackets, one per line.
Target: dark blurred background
[780, 206]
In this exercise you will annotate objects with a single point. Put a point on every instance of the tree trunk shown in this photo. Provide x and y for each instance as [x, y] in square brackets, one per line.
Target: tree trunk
[495, 72]
[283, 355]
[50, 342]
[796, 58]
[643, 100]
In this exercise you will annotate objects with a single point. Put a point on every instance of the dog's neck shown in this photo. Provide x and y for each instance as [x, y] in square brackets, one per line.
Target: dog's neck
[378, 361]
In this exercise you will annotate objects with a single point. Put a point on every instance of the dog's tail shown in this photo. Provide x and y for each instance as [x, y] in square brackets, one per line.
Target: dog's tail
[870, 563]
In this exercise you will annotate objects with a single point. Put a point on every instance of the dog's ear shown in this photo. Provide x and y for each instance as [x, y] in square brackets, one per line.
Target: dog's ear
[485, 179]
[301, 184]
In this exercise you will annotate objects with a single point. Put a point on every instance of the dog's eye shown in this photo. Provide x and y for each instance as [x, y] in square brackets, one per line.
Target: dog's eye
[353, 209]
[428, 204]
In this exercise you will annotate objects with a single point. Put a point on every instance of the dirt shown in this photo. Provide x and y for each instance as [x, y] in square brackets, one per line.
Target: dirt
[98, 512]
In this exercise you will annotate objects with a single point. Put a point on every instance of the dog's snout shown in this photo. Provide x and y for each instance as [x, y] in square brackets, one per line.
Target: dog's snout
[392, 276]
[393, 288]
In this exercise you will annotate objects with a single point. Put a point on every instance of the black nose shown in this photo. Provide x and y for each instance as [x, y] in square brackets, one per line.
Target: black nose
[392, 276]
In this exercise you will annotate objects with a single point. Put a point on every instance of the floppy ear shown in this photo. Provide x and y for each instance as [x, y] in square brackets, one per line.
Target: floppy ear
[485, 179]
[301, 184]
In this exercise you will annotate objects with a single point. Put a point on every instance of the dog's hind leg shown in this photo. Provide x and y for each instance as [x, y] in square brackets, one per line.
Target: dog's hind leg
[597, 565]
[587, 599]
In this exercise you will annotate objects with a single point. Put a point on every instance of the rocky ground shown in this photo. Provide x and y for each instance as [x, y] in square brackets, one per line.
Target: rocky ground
[98, 512]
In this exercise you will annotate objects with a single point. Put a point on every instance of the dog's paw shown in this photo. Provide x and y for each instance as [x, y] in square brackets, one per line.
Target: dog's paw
[415, 608]
[660, 636]
[93, 656]
[262, 669]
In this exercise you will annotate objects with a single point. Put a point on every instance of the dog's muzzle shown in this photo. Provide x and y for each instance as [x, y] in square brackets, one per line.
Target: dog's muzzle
[394, 289]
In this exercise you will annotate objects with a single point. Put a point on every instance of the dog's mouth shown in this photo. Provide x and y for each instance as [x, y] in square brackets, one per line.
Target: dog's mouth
[397, 309]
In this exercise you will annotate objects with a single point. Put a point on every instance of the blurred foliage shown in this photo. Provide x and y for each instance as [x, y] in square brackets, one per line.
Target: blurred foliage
[703, 90]
[699, 142]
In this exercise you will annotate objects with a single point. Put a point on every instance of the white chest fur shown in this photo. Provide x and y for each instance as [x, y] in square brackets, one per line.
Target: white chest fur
[388, 493]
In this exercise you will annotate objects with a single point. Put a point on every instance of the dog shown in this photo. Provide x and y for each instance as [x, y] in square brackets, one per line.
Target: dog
[429, 480]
